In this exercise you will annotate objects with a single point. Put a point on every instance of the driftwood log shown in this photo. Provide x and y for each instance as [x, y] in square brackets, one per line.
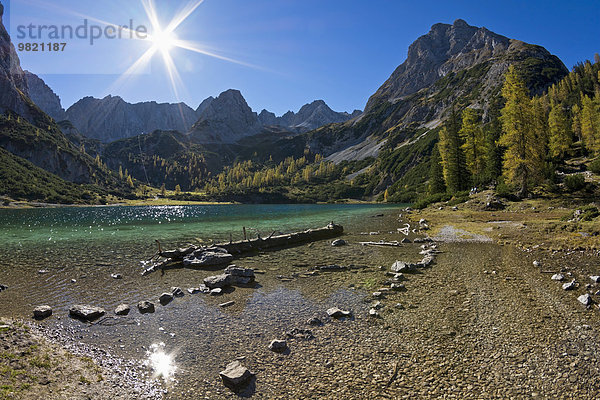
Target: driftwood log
[239, 248]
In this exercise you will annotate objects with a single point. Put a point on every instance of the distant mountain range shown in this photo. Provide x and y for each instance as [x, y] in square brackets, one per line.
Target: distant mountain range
[226, 118]
[389, 144]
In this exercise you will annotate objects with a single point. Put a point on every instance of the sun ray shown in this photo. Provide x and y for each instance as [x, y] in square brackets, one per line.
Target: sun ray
[183, 15]
[134, 69]
[195, 47]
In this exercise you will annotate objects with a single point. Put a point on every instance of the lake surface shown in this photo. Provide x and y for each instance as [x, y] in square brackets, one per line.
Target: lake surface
[79, 249]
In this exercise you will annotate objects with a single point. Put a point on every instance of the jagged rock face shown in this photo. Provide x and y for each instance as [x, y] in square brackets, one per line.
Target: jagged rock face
[445, 49]
[310, 116]
[226, 119]
[111, 118]
[13, 85]
[44, 97]
[203, 105]
[458, 65]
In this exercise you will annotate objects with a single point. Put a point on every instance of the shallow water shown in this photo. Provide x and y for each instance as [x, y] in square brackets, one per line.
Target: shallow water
[90, 244]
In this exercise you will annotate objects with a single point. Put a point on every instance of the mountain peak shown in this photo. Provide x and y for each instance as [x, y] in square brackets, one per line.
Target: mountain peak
[460, 23]
[445, 49]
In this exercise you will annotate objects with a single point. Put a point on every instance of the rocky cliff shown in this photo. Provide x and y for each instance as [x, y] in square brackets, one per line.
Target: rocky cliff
[44, 97]
[112, 118]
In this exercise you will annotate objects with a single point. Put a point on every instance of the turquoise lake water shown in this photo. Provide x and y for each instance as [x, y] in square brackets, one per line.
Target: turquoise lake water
[26, 227]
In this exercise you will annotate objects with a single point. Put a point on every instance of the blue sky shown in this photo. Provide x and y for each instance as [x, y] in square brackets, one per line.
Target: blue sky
[340, 51]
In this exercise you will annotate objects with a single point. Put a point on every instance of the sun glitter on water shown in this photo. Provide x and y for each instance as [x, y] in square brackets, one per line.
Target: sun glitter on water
[162, 364]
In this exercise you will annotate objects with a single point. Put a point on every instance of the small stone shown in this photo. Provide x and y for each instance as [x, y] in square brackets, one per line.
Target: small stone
[398, 287]
[165, 298]
[278, 346]
[177, 292]
[116, 276]
[537, 263]
[401, 266]
[42, 312]
[235, 375]
[585, 299]
[558, 277]
[227, 304]
[122, 309]
[338, 242]
[314, 321]
[377, 295]
[299, 333]
[73, 280]
[399, 306]
[595, 279]
[86, 313]
[145, 307]
[399, 277]
[199, 289]
[42, 271]
[377, 305]
[216, 292]
[336, 313]
[569, 285]
[373, 313]
[405, 241]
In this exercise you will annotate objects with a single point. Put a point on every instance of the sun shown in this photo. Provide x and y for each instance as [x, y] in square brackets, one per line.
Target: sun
[163, 40]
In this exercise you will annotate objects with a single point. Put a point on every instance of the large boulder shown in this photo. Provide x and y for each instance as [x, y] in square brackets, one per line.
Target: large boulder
[86, 313]
[122, 309]
[235, 376]
[42, 312]
[165, 298]
[145, 307]
[218, 281]
[239, 275]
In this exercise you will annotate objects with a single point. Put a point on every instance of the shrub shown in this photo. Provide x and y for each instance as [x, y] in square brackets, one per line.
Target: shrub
[434, 198]
[589, 213]
[574, 183]
[595, 166]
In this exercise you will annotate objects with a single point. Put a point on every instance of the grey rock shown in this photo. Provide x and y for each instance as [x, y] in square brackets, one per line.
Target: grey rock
[404, 267]
[43, 271]
[595, 279]
[218, 281]
[314, 321]
[116, 276]
[398, 287]
[216, 292]
[337, 313]
[570, 285]
[373, 313]
[278, 346]
[240, 276]
[299, 333]
[200, 289]
[207, 258]
[3, 288]
[377, 295]
[235, 375]
[86, 313]
[145, 307]
[378, 305]
[177, 292]
[42, 312]
[122, 309]
[165, 298]
[558, 277]
[339, 242]
[332, 268]
[405, 241]
[585, 299]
